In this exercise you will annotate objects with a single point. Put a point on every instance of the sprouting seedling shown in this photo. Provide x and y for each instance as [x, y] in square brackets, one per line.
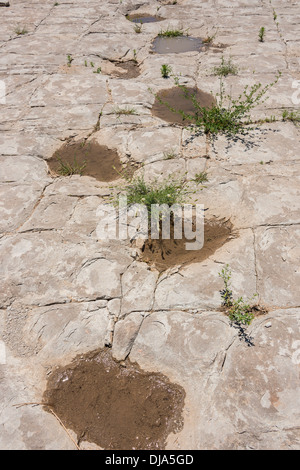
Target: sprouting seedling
[134, 55]
[200, 178]
[226, 293]
[262, 33]
[209, 38]
[92, 64]
[70, 60]
[170, 155]
[165, 71]
[68, 169]
[21, 31]
[138, 28]
[225, 68]
[240, 311]
[98, 70]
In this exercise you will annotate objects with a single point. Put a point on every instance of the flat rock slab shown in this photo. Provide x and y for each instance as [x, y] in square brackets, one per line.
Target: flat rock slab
[220, 388]
[65, 292]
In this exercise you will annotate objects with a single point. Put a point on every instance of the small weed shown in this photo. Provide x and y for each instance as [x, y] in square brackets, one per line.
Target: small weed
[70, 60]
[67, 169]
[21, 31]
[262, 34]
[274, 15]
[168, 192]
[124, 111]
[85, 63]
[138, 28]
[293, 116]
[200, 178]
[239, 311]
[98, 70]
[165, 71]
[226, 293]
[56, 4]
[173, 33]
[225, 68]
[92, 64]
[170, 155]
[209, 38]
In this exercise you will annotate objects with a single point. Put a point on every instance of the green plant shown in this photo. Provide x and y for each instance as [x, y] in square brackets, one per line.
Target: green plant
[262, 33]
[68, 169]
[138, 28]
[227, 115]
[274, 15]
[98, 70]
[165, 71]
[85, 63]
[169, 191]
[293, 116]
[209, 38]
[225, 68]
[92, 64]
[170, 155]
[200, 178]
[239, 311]
[70, 60]
[226, 293]
[21, 31]
[134, 55]
[173, 33]
[124, 111]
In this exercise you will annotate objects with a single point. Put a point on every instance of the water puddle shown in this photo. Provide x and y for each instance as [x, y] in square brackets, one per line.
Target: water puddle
[144, 18]
[86, 159]
[176, 45]
[117, 407]
[176, 98]
[164, 254]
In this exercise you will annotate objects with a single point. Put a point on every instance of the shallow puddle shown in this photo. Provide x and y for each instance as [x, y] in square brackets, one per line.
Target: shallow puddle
[176, 45]
[144, 18]
[87, 159]
[177, 99]
[164, 254]
[116, 407]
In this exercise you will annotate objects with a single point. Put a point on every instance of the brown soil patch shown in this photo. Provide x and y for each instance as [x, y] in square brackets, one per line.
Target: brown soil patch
[99, 161]
[131, 69]
[176, 98]
[176, 45]
[144, 18]
[164, 254]
[116, 407]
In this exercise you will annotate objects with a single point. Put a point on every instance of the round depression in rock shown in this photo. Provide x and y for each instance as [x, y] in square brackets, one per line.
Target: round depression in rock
[176, 45]
[86, 159]
[170, 103]
[117, 407]
[168, 253]
[144, 18]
